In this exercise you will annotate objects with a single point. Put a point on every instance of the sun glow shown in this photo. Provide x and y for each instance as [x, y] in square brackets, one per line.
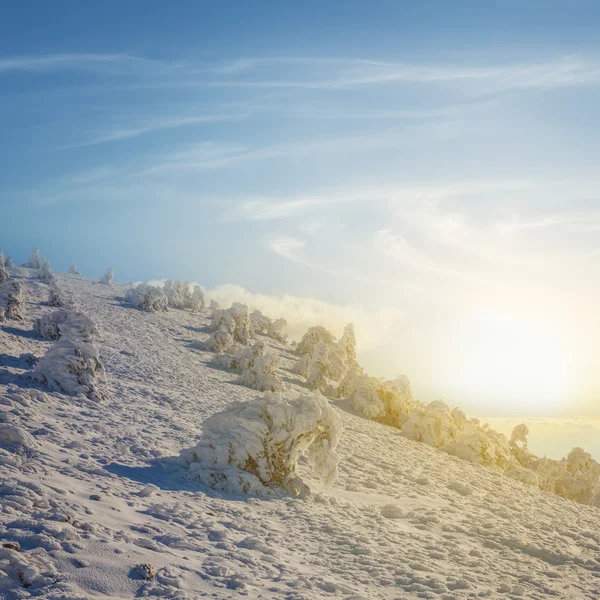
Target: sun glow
[511, 365]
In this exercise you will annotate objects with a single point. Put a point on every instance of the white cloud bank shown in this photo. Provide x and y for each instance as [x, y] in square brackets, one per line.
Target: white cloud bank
[302, 313]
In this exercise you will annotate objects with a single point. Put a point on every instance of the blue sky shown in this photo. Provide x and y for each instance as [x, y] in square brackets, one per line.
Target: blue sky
[432, 164]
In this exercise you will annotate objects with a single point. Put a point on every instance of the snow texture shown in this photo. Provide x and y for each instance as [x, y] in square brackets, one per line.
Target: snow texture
[91, 492]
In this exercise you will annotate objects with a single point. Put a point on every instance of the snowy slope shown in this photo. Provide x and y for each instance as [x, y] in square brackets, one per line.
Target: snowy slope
[89, 496]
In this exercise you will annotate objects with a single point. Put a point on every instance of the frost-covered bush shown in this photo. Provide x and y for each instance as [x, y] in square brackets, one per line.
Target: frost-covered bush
[325, 365]
[232, 327]
[65, 322]
[253, 447]
[72, 366]
[8, 262]
[35, 259]
[259, 323]
[386, 401]
[73, 270]
[45, 272]
[3, 271]
[576, 477]
[312, 337]
[184, 295]
[434, 424]
[108, 276]
[257, 367]
[148, 297]
[318, 368]
[60, 298]
[11, 299]
[275, 330]
[348, 343]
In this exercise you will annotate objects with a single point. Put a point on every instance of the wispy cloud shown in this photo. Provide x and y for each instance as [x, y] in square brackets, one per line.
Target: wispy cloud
[55, 62]
[124, 133]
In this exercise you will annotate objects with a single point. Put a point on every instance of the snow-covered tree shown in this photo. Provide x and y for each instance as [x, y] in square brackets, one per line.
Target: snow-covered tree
[253, 447]
[232, 327]
[259, 323]
[348, 343]
[256, 365]
[72, 366]
[275, 330]
[45, 272]
[73, 270]
[518, 444]
[35, 259]
[65, 322]
[108, 276]
[147, 297]
[60, 298]
[11, 299]
[434, 424]
[312, 337]
[3, 271]
[8, 262]
[318, 368]
[197, 299]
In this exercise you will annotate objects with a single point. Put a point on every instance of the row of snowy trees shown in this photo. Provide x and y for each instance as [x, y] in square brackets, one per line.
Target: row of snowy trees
[182, 295]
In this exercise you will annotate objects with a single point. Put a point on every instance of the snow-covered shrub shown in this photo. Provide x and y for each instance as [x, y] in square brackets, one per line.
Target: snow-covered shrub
[253, 447]
[275, 330]
[73, 270]
[65, 322]
[8, 262]
[434, 424]
[312, 337]
[576, 477]
[257, 367]
[72, 366]
[518, 445]
[3, 271]
[147, 297]
[232, 327]
[348, 343]
[45, 272]
[35, 259]
[326, 364]
[318, 368]
[108, 276]
[197, 300]
[213, 306]
[11, 299]
[259, 323]
[60, 298]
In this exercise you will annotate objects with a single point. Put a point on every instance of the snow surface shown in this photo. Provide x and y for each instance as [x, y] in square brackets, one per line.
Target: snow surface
[94, 505]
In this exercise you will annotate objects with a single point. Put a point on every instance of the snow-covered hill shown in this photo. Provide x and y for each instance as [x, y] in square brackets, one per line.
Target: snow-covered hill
[88, 499]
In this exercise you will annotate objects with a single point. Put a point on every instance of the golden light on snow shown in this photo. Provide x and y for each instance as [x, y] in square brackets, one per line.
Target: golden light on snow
[506, 363]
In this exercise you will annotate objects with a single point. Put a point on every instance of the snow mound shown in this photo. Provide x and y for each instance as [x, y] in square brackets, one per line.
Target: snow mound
[253, 447]
[32, 569]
